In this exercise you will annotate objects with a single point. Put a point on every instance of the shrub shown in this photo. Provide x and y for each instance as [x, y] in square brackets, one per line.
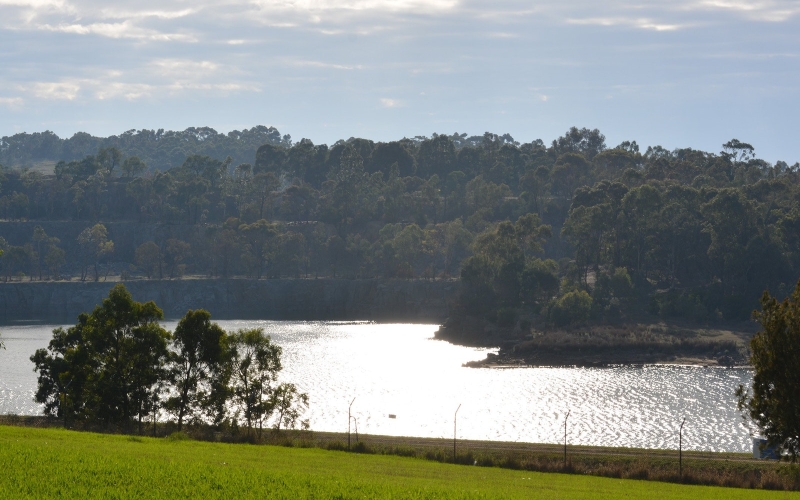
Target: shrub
[572, 307]
[506, 316]
[178, 436]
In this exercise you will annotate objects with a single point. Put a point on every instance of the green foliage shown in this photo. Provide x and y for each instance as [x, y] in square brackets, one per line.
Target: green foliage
[773, 403]
[94, 245]
[682, 305]
[496, 275]
[539, 282]
[148, 257]
[157, 148]
[107, 367]
[506, 316]
[197, 368]
[13, 259]
[117, 364]
[699, 234]
[256, 393]
[176, 436]
[571, 308]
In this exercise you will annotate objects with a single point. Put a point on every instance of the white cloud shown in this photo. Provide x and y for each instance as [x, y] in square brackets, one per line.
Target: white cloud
[155, 79]
[137, 14]
[501, 34]
[391, 103]
[320, 64]
[391, 5]
[36, 4]
[126, 29]
[56, 90]
[310, 62]
[184, 67]
[642, 23]
[224, 87]
[129, 91]
[19, 14]
[12, 102]
[760, 10]
[172, 20]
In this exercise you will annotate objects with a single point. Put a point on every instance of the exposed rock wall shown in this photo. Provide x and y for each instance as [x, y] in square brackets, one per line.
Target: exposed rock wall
[295, 299]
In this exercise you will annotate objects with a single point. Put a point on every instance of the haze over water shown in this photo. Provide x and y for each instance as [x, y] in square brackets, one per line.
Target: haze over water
[401, 370]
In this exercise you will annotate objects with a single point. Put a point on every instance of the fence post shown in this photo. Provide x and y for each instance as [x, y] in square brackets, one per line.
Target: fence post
[455, 417]
[565, 438]
[348, 422]
[680, 449]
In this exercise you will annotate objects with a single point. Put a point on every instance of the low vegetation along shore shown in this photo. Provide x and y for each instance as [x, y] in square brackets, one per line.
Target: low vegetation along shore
[604, 345]
[30, 442]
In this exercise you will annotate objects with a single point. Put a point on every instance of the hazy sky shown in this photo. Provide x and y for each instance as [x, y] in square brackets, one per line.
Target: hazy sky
[679, 73]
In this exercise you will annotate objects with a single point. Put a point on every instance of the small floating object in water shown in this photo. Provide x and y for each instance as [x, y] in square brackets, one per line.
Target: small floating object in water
[392, 415]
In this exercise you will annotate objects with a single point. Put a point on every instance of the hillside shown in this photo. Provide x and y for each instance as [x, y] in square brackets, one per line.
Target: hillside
[543, 237]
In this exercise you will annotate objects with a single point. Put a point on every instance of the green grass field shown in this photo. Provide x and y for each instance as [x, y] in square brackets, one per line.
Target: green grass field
[48, 463]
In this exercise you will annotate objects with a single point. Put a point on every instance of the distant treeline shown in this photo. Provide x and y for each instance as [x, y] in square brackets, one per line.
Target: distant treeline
[566, 232]
[159, 149]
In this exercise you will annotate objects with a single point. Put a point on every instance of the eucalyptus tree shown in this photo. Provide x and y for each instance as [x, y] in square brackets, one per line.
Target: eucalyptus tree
[255, 363]
[108, 366]
[94, 245]
[260, 245]
[289, 405]
[133, 166]
[43, 246]
[150, 258]
[773, 401]
[197, 354]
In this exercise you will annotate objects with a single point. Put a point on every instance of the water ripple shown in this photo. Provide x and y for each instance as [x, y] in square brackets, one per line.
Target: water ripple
[401, 370]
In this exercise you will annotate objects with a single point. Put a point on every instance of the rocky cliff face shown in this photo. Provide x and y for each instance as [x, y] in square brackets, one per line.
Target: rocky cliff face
[301, 299]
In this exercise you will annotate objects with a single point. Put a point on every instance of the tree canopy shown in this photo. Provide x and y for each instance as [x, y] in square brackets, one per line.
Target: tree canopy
[118, 365]
[107, 366]
[699, 234]
[773, 402]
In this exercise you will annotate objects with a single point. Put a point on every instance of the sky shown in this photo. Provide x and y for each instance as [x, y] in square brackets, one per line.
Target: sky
[675, 73]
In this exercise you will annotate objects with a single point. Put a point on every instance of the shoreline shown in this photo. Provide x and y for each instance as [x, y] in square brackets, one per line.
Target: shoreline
[199, 432]
[698, 364]
[646, 340]
[323, 299]
[603, 345]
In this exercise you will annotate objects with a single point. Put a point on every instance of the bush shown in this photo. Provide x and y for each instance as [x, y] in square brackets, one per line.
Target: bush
[621, 284]
[682, 305]
[572, 307]
[178, 436]
[506, 316]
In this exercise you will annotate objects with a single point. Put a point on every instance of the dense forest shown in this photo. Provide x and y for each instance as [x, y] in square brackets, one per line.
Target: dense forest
[573, 231]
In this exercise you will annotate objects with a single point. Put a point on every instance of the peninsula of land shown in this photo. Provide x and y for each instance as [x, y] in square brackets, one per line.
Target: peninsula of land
[602, 344]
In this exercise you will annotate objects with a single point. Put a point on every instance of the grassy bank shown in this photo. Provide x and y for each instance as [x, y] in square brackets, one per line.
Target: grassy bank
[703, 468]
[46, 463]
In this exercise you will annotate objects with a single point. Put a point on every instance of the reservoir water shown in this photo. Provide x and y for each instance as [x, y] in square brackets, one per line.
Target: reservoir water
[401, 370]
